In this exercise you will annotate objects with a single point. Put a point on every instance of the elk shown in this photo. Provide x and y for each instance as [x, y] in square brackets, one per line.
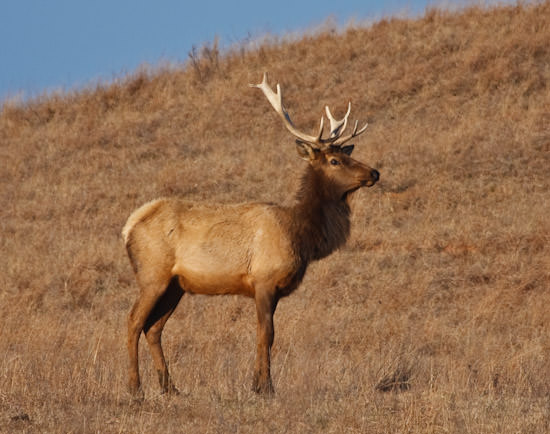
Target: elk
[260, 250]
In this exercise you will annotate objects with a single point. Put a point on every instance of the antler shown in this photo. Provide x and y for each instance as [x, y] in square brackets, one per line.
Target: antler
[276, 100]
[336, 127]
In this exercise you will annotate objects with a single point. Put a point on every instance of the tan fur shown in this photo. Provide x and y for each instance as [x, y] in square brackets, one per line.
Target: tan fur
[259, 250]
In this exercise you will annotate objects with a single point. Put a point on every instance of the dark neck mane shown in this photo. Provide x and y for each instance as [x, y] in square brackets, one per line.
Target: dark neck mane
[321, 220]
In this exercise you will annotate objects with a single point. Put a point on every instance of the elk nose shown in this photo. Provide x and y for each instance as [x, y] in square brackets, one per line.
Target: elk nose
[375, 175]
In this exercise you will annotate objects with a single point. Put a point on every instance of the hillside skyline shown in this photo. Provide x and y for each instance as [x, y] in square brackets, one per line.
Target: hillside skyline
[65, 45]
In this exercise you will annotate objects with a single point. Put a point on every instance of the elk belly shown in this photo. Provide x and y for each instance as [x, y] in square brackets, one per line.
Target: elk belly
[213, 278]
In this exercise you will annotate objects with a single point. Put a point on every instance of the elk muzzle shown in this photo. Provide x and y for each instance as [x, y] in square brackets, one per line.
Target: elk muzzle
[374, 177]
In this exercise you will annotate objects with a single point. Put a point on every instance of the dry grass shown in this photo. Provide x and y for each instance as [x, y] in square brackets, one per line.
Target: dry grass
[433, 318]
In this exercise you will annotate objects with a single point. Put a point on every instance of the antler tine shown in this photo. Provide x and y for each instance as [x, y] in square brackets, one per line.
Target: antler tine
[321, 129]
[276, 100]
[337, 127]
[341, 140]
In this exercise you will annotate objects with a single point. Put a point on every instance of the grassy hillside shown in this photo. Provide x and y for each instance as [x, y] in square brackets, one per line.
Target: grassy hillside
[433, 318]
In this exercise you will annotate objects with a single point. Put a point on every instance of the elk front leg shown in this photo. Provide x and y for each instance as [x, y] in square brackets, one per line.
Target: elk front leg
[265, 309]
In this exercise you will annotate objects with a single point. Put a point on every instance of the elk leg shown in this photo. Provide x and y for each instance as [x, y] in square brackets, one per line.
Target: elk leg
[136, 322]
[265, 309]
[154, 325]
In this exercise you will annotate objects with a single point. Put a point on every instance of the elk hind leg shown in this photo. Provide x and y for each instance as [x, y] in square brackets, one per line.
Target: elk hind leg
[154, 325]
[137, 319]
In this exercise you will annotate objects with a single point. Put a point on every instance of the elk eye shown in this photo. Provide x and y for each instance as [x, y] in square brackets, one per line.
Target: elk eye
[334, 162]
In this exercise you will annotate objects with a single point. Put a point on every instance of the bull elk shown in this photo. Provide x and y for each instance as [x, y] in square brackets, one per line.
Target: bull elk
[260, 250]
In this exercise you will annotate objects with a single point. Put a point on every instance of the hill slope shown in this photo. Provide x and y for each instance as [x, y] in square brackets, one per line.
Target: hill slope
[440, 295]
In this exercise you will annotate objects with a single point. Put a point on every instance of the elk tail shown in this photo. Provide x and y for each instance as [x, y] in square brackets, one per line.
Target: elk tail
[137, 216]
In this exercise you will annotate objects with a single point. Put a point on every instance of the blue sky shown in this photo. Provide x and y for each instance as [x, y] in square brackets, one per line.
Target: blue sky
[47, 45]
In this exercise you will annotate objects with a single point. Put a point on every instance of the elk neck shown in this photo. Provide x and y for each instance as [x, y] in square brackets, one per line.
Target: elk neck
[321, 218]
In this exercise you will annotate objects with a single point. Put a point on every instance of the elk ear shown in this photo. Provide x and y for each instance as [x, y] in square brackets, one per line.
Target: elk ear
[347, 149]
[305, 150]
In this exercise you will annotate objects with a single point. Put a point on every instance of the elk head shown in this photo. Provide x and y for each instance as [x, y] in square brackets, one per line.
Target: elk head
[328, 157]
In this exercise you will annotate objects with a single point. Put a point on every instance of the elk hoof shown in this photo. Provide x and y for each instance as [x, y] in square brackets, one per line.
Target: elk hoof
[171, 391]
[263, 388]
[166, 385]
[137, 395]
